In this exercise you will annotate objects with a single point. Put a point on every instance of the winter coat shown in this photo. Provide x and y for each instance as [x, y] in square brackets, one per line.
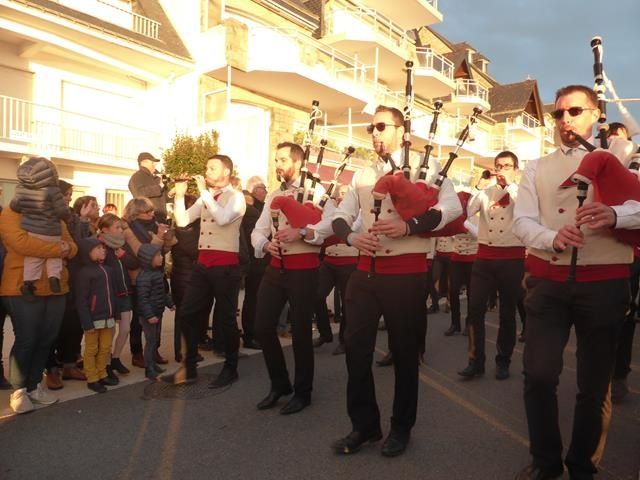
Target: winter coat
[184, 256]
[120, 268]
[94, 288]
[20, 244]
[38, 198]
[145, 184]
[152, 297]
[133, 244]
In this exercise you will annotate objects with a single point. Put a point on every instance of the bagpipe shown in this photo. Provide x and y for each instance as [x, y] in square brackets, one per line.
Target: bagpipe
[612, 182]
[302, 211]
[414, 199]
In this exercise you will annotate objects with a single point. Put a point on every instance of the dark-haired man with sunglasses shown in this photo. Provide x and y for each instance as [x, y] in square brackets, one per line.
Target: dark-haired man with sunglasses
[548, 224]
[397, 289]
[499, 265]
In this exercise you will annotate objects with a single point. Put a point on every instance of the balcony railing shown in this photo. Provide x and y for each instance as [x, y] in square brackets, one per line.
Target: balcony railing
[362, 21]
[53, 131]
[549, 135]
[110, 11]
[471, 88]
[524, 120]
[286, 49]
[430, 60]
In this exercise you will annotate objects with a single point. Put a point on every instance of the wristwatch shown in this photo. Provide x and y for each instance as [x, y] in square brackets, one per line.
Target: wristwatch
[303, 233]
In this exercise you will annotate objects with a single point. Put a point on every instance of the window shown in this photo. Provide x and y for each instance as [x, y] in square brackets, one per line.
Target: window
[118, 197]
[7, 191]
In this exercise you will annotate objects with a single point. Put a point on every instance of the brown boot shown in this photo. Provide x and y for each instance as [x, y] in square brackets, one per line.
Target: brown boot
[53, 380]
[159, 359]
[73, 373]
[137, 360]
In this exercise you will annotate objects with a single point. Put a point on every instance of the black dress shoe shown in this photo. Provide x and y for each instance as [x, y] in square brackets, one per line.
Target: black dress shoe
[386, 361]
[352, 442]
[318, 342]
[471, 371]
[533, 472]
[395, 444]
[502, 372]
[226, 377]
[452, 330]
[252, 344]
[295, 405]
[270, 400]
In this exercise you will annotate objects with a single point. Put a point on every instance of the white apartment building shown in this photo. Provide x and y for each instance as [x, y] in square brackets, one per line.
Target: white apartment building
[91, 83]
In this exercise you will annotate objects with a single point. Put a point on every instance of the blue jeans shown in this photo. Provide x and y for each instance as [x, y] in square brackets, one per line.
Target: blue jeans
[36, 325]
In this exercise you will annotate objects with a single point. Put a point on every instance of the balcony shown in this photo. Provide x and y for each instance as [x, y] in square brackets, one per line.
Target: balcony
[524, 127]
[468, 94]
[373, 38]
[549, 135]
[117, 12]
[290, 66]
[433, 74]
[412, 13]
[29, 128]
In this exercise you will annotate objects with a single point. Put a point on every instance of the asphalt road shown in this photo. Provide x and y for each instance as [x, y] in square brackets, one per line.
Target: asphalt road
[465, 429]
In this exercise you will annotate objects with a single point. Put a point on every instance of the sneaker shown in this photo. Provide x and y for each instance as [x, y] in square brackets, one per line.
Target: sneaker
[54, 285]
[117, 366]
[41, 396]
[28, 291]
[20, 401]
[109, 381]
[97, 387]
[111, 374]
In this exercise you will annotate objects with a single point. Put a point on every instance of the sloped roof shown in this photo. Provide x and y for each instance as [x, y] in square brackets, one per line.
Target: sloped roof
[513, 98]
[168, 42]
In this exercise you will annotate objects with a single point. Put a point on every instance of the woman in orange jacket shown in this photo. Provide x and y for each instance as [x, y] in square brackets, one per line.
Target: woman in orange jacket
[36, 322]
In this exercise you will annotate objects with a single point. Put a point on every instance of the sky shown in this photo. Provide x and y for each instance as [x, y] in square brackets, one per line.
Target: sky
[548, 40]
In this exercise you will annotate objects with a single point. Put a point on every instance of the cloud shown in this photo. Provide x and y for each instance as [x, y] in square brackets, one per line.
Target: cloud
[549, 40]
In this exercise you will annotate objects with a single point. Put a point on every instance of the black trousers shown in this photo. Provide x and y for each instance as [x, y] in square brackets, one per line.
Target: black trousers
[432, 291]
[487, 276]
[222, 284]
[66, 349]
[299, 288]
[249, 305]
[625, 344]
[459, 275]
[441, 266]
[330, 277]
[135, 333]
[597, 311]
[400, 299]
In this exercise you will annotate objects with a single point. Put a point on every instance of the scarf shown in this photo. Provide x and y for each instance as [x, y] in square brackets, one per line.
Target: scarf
[142, 229]
[112, 241]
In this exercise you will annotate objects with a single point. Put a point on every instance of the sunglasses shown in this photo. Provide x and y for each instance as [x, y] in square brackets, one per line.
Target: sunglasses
[380, 126]
[573, 111]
